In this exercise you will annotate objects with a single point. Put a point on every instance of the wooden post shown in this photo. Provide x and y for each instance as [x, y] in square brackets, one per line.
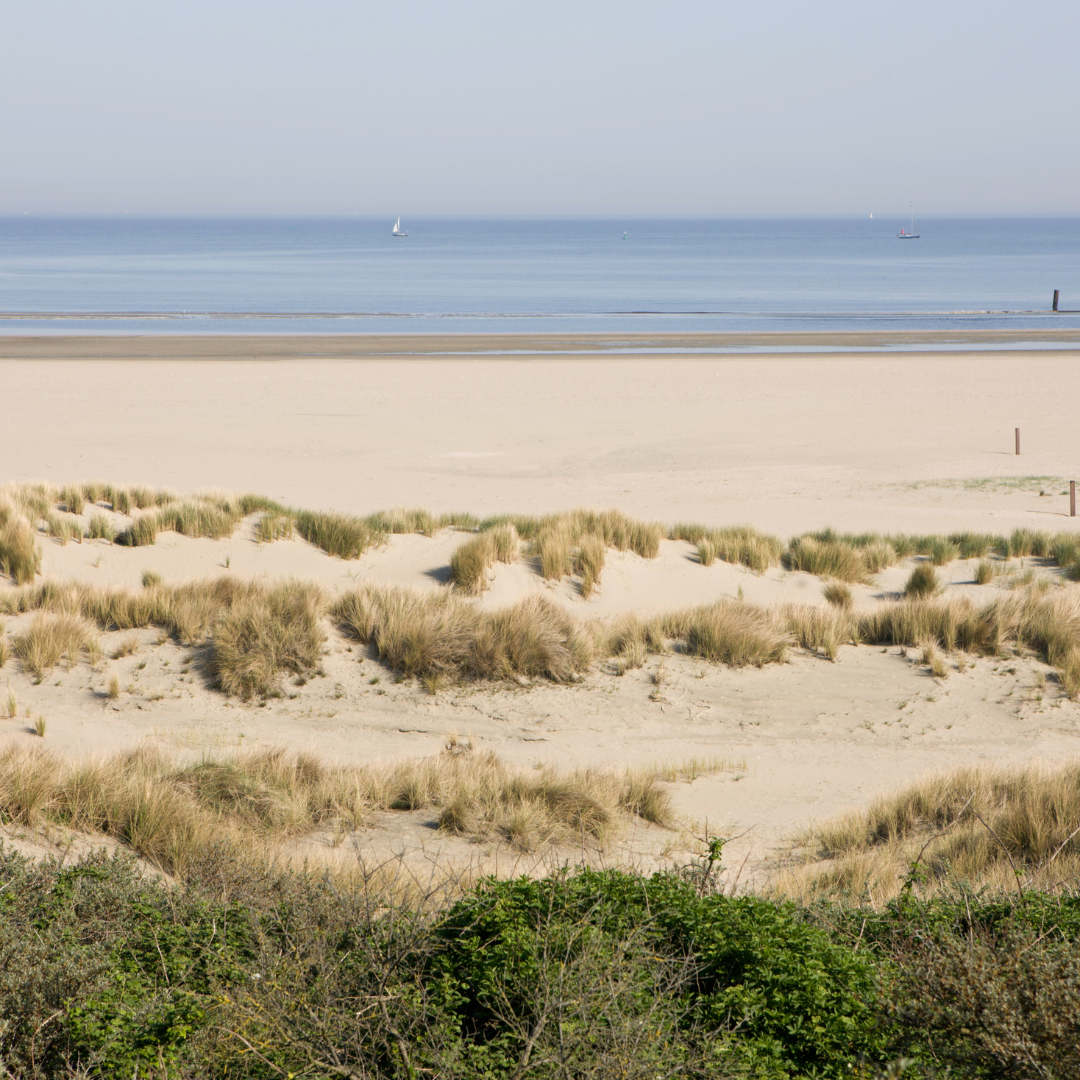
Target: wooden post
[1056, 291]
[1072, 498]
[1018, 442]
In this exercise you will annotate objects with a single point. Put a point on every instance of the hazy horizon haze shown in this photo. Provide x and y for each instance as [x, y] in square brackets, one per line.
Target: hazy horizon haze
[602, 109]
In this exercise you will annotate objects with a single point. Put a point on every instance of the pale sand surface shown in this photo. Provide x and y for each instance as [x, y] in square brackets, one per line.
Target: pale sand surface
[784, 443]
[893, 443]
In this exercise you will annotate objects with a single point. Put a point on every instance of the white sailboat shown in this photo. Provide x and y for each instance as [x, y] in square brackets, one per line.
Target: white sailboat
[398, 230]
[911, 234]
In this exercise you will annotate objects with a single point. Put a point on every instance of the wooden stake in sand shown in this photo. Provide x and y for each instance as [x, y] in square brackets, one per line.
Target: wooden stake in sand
[1056, 291]
[1018, 442]
[1072, 498]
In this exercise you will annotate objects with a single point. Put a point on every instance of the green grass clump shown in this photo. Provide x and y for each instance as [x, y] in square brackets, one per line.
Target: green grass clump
[940, 550]
[974, 545]
[1025, 542]
[985, 572]
[338, 534]
[738, 544]
[922, 582]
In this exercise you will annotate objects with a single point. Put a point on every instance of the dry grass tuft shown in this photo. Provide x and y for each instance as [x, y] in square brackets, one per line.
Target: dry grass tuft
[274, 526]
[941, 551]
[265, 634]
[975, 824]
[100, 528]
[1025, 542]
[589, 562]
[72, 498]
[553, 547]
[923, 582]
[736, 634]
[52, 638]
[820, 629]
[827, 558]
[839, 595]
[20, 556]
[505, 542]
[985, 572]
[470, 563]
[168, 812]
[128, 647]
[64, 529]
[424, 633]
[738, 544]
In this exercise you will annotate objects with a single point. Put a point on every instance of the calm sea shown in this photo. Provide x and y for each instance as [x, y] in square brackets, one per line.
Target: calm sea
[349, 275]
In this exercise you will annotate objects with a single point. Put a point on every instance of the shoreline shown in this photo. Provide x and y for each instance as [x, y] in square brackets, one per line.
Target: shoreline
[326, 346]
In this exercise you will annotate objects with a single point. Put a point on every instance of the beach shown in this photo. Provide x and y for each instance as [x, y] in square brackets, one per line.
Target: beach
[908, 442]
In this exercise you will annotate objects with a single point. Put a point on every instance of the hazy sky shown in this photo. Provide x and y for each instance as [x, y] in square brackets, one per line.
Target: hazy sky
[610, 106]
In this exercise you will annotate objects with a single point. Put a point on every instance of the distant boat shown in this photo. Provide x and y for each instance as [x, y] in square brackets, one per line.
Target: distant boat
[908, 234]
[624, 236]
[398, 230]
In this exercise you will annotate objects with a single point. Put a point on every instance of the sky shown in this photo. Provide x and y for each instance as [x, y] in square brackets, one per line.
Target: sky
[594, 107]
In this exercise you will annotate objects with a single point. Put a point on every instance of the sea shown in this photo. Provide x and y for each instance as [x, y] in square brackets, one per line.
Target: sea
[128, 275]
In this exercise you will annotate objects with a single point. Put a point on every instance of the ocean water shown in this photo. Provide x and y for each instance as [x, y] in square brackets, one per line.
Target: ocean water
[350, 275]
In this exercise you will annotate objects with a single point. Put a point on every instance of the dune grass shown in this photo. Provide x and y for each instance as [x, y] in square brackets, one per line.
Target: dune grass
[836, 559]
[265, 634]
[991, 826]
[736, 634]
[20, 556]
[167, 810]
[470, 563]
[64, 529]
[100, 528]
[922, 582]
[839, 595]
[52, 638]
[738, 544]
[429, 633]
[589, 562]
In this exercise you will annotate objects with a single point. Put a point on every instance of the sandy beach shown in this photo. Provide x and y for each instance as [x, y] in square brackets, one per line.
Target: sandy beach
[911, 442]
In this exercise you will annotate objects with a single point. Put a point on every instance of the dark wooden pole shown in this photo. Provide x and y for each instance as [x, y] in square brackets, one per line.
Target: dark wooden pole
[1056, 291]
[1018, 441]
[1072, 498]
